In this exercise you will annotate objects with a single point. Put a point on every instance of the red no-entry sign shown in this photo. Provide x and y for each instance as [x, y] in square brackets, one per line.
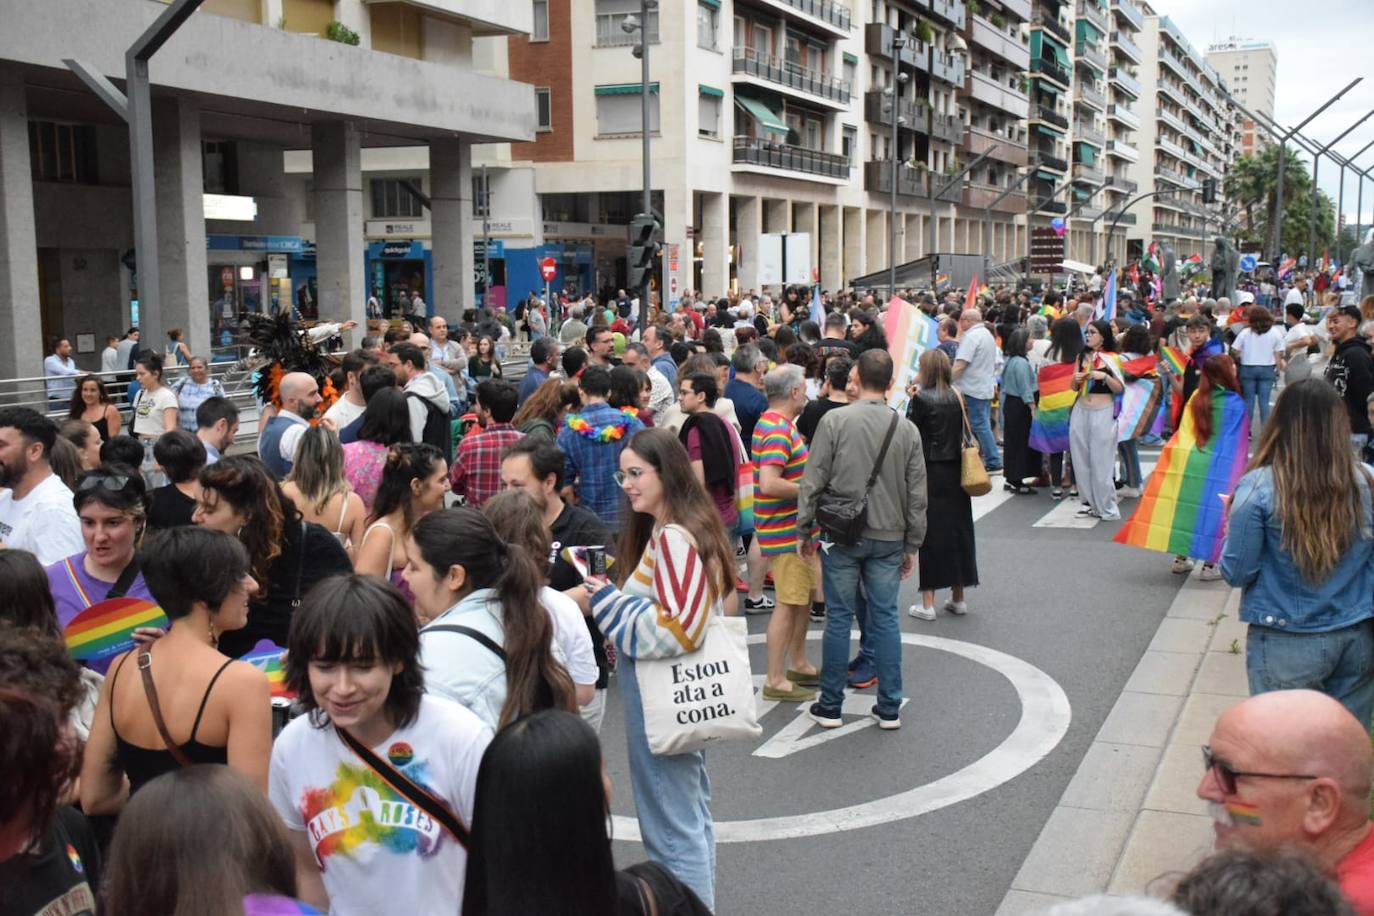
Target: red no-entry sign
[548, 268]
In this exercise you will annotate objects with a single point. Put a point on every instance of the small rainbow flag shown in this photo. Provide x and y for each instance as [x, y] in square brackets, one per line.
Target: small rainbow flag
[106, 628]
[1140, 367]
[1180, 512]
[1244, 813]
[270, 659]
[1174, 358]
[1050, 429]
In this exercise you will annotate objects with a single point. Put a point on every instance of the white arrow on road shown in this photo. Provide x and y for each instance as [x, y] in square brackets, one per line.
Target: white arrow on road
[793, 736]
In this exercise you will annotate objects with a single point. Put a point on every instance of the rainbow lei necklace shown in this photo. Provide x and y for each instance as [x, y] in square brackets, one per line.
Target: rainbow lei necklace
[609, 433]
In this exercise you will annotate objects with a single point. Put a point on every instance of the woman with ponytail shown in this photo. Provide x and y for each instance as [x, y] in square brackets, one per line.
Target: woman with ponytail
[490, 642]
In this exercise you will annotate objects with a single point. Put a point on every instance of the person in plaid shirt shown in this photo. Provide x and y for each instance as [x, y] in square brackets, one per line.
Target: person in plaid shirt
[592, 440]
[476, 471]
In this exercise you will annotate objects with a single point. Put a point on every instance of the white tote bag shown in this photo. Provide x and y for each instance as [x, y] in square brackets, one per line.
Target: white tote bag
[696, 700]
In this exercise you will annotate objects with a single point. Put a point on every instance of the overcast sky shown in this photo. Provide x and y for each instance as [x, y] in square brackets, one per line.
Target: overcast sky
[1320, 49]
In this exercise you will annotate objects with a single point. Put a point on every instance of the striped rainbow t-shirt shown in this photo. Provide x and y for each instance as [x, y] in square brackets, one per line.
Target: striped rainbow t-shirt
[777, 442]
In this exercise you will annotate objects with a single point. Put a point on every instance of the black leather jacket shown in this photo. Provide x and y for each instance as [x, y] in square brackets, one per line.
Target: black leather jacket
[940, 420]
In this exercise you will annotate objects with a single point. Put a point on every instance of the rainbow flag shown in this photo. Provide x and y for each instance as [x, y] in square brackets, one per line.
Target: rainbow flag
[910, 332]
[1181, 512]
[106, 629]
[1106, 309]
[270, 659]
[971, 297]
[1175, 358]
[1050, 428]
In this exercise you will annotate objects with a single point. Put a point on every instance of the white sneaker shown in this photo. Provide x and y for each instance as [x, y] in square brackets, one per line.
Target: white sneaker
[1128, 493]
[1209, 573]
[921, 612]
[957, 608]
[1182, 565]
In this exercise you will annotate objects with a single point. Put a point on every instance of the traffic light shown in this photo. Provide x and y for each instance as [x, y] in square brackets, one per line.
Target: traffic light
[642, 249]
[1209, 190]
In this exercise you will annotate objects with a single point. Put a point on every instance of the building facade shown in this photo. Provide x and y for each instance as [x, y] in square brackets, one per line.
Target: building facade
[1251, 69]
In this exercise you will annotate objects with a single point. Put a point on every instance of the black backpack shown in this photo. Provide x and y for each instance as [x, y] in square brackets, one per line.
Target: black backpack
[438, 430]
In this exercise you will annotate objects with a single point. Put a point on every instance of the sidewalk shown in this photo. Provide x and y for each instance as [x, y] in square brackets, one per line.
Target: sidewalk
[1129, 819]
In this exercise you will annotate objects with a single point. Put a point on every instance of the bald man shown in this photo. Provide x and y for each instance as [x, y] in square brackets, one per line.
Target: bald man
[1292, 768]
[975, 375]
[300, 399]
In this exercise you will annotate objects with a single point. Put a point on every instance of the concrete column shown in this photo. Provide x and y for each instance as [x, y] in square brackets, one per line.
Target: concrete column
[715, 245]
[748, 227]
[180, 184]
[876, 241]
[777, 215]
[832, 247]
[854, 247]
[450, 177]
[909, 237]
[677, 215]
[21, 331]
[804, 219]
[337, 160]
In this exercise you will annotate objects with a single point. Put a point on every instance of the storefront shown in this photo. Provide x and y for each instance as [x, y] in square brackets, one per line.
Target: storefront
[495, 261]
[576, 260]
[397, 269]
[257, 273]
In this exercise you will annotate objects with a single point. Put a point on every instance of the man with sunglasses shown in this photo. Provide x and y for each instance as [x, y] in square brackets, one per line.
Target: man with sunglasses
[36, 512]
[1292, 768]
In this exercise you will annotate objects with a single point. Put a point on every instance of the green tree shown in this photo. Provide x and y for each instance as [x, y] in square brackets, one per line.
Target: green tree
[1252, 183]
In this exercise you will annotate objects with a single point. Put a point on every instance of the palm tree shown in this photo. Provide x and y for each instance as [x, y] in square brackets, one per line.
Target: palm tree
[1252, 182]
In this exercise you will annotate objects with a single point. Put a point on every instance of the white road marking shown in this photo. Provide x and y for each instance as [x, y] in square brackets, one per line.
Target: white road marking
[1064, 515]
[793, 737]
[984, 504]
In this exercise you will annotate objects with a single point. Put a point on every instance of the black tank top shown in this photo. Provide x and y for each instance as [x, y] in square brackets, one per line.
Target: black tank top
[141, 764]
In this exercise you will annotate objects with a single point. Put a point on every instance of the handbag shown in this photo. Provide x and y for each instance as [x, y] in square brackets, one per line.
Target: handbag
[973, 474]
[707, 696]
[842, 518]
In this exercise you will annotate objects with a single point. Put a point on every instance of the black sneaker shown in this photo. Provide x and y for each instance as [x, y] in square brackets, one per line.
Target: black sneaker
[760, 605]
[825, 718]
[887, 721]
[818, 614]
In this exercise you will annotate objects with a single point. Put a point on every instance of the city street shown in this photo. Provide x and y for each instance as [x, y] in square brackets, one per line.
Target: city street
[803, 815]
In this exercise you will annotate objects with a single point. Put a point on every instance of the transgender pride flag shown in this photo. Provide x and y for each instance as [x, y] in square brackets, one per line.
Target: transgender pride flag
[1106, 309]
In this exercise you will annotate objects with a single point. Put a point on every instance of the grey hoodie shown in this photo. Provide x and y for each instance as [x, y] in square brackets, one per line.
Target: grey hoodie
[431, 389]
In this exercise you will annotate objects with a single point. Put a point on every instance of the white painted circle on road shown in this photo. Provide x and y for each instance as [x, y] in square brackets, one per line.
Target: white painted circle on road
[1045, 718]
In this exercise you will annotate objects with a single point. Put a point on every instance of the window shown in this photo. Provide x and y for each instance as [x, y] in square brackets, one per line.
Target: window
[219, 167]
[851, 73]
[481, 196]
[708, 18]
[391, 201]
[540, 30]
[618, 110]
[708, 112]
[611, 16]
[543, 108]
[62, 152]
[849, 143]
[763, 41]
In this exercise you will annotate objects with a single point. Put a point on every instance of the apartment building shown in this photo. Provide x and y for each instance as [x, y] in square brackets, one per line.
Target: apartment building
[1250, 68]
[1191, 136]
[240, 84]
[1123, 121]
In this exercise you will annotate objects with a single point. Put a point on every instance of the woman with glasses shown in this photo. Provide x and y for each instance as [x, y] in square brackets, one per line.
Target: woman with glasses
[112, 505]
[287, 555]
[183, 701]
[674, 568]
[414, 481]
[1299, 545]
[92, 403]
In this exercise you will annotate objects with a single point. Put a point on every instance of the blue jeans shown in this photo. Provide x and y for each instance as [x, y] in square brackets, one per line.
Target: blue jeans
[876, 566]
[672, 798]
[980, 421]
[1129, 451]
[1339, 663]
[1256, 384]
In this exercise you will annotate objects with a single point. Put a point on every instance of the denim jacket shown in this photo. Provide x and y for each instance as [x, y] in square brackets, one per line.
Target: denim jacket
[1275, 593]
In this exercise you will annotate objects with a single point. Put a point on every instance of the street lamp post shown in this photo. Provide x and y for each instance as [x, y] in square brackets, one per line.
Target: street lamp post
[894, 94]
[641, 50]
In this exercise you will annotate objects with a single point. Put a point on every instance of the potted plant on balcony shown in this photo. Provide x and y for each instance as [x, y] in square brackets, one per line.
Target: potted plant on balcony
[923, 31]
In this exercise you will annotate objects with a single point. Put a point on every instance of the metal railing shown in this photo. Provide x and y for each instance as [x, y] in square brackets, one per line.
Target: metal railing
[1051, 69]
[1050, 116]
[1052, 25]
[837, 14]
[878, 109]
[791, 75]
[1090, 95]
[1093, 13]
[1091, 54]
[1124, 80]
[1124, 115]
[1089, 134]
[1131, 49]
[755, 151]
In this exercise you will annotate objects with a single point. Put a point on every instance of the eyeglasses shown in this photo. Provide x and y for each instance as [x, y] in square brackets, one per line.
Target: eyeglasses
[633, 474]
[113, 483]
[1226, 777]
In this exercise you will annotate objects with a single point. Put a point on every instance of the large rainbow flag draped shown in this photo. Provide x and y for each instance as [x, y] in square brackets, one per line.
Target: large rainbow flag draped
[1181, 511]
[1050, 429]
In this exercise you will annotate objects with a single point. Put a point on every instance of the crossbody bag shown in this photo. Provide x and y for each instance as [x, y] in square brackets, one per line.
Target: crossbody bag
[409, 790]
[843, 518]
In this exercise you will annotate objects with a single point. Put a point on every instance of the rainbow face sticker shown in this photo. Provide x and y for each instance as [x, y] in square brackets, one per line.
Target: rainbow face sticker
[1243, 813]
[400, 754]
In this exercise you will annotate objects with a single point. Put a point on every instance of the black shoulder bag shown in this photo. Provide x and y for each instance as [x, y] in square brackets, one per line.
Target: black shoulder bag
[431, 804]
[842, 518]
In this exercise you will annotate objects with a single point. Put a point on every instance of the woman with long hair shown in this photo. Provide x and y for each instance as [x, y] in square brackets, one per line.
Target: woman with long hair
[1092, 424]
[1019, 460]
[1066, 343]
[92, 403]
[385, 422]
[540, 838]
[320, 491]
[541, 416]
[624, 395]
[487, 640]
[373, 736]
[1299, 546]
[168, 713]
[155, 413]
[484, 363]
[1259, 348]
[287, 554]
[414, 481]
[674, 568]
[178, 354]
[951, 560]
[245, 864]
[85, 438]
[866, 332]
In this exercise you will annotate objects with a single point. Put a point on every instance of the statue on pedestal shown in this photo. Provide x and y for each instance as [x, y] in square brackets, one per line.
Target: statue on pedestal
[1362, 260]
[1168, 272]
[1225, 269]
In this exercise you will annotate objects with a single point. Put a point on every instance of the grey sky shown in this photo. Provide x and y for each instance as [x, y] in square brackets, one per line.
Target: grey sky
[1319, 51]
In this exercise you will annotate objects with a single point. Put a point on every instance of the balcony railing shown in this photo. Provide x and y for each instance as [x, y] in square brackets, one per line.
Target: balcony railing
[837, 14]
[1038, 204]
[1095, 14]
[1178, 178]
[1125, 219]
[756, 151]
[998, 95]
[1089, 174]
[878, 110]
[982, 196]
[951, 11]
[947, 67]
[1122, 42]
[1122, 150]
[1130, 12]
[1090, 95]
[1091, 55]
[1089, 134]
[785, 73]
[1124, 80]
[1051, 70]
[1049, 116]
[990, 38]
[1052, 25]
[1174, 149]
[1123, 115]
[878, 39]
[1171, 119]
[997, 146]
[911, 182]
[1048, 160]
[1122, 184]
[947, 127]
[1020, 9]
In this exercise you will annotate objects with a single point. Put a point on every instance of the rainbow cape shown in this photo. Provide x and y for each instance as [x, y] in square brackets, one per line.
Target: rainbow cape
[1050, 429]
[270, 659]
[106, 628]
[1181, 512]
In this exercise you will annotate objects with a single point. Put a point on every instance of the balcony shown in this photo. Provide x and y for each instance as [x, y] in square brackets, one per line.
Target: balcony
[997, 95]
[1171, 119]
[1125, 219]
[1088, 174]
[951, 195]
[1172, 148]
[1172, 91]
[1095, 14]
[1125, 82]
[1123, 115]
[1049, 116]
[1122, 42]
[826, 13]
[1050, 70]
[1127, 10]
[753, 151]
[1048, 160]
[1052, 25]
[947, 127]
[911, 182]
[1170, 175]
[777, 72]
[1086, 133]
[997, 146]
[1123, 150]
[982, 196]
[878, 40]
[951, 11]
[1090, 55]
[1037, 204]
[1121, 183]
[1089, 95]
[1019, 9]
[996, 41]
[878, 110]
[948, 68]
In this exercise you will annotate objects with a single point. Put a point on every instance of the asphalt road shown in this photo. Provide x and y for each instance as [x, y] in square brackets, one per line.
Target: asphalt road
[1065, 600]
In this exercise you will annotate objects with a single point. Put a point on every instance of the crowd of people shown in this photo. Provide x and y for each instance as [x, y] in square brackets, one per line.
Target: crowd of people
[382, 643]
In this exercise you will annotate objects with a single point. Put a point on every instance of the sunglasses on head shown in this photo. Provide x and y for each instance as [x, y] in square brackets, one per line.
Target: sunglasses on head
[115, 483]
[1226, 776]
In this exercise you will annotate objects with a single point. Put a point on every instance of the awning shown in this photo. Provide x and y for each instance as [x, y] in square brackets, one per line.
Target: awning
[713, 4]
[850, 58]
[624, 89]
[1046, 86]
[1047, 176]
[1060, 54]
[712, 91]
[762, 115]
[1049, 131]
